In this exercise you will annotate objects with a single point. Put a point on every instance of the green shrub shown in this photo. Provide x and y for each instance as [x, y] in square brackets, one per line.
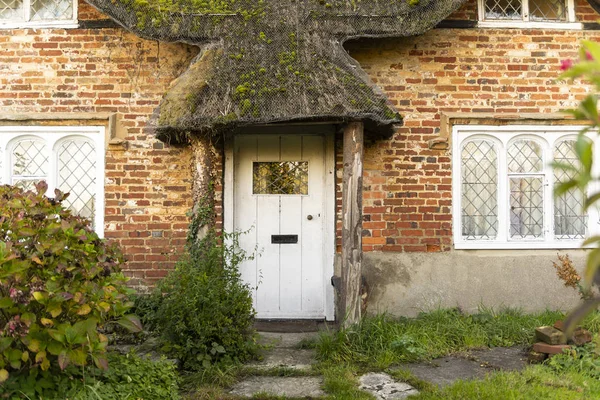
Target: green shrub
[205, 313]
[129, 378]
[59, 283]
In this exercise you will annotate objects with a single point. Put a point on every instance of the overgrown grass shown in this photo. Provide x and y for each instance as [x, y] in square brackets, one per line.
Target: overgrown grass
[380, 341]
[535, 382]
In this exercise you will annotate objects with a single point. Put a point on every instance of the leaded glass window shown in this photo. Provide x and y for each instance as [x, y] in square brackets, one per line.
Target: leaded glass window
[77, 175]
[66, 158]
[526, 185]
[11, 10]
[570, 218]
[29, 163]
[527, 10]
[280, 177]
[503, 9]
[479, 190]
[37, 12]
[503, 182]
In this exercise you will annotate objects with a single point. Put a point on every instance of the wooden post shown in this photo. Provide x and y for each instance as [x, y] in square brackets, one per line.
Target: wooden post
[350, 301]
[203, 151]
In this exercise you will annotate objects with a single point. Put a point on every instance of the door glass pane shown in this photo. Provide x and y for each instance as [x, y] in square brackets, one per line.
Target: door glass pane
[11, 10]
[285, 177]
[479, 190]
[44, 10]
[570, 220]
[547, 10]
[77, 175]
[526, 207]
[29, 163]
[503, 9]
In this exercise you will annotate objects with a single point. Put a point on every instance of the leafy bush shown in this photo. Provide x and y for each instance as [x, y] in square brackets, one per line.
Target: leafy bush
[129, 378]
[204, 314]
[59, 283]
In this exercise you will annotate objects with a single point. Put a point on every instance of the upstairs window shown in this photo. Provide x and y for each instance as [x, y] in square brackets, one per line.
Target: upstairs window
[38, 13]
[527, 13]
[503, 189]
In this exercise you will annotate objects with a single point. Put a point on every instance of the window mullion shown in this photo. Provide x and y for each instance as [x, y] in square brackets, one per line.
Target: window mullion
[549, 194]
[525, 10]
[27, 10]
[503, 195]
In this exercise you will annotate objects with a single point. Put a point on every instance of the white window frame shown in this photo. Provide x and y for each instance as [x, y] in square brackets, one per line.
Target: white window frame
[502, 136]
[571, 22]
[52, 137]
[26, 23]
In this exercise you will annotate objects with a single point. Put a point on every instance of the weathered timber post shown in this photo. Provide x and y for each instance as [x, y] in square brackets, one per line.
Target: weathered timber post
[203, 182]
[352, 223]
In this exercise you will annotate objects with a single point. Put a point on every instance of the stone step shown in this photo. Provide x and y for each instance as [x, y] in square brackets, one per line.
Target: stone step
[300, 386]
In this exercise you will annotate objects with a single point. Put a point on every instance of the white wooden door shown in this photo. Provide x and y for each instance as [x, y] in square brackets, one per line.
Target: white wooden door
[279, 198]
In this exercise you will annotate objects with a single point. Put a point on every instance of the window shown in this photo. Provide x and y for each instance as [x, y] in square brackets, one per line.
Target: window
[528, 13]
[38, 13]
[503, 188]
[68, 158]
[280, 177]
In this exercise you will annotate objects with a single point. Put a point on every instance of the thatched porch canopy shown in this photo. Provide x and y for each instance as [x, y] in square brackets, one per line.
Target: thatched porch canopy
[269, 61]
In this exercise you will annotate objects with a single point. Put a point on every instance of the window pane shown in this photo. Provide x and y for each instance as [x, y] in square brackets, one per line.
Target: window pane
[286, 177]
[503, 9]
[570, 220]
[547, 10]
[479, 190]
[44, 10]
[526, 207]
[77, 175]
[29, 163]
[11, 10]
[525, 156]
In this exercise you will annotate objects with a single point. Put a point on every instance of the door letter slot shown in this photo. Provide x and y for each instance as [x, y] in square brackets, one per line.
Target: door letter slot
[284, 239]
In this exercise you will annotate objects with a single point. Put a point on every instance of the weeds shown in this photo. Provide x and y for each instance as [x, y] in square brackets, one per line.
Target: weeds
[381, 341]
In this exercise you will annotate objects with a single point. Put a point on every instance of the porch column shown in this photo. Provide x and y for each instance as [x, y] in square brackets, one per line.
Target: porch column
[350, 301]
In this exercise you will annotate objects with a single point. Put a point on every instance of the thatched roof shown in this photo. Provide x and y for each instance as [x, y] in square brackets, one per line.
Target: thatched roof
[269, 61]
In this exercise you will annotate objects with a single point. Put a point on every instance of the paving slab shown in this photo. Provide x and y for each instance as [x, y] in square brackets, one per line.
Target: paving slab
[286, 358]
[302, 386]
[502, 358]
[447, 370]
[384, 387]
[287, 340]
[471, 365]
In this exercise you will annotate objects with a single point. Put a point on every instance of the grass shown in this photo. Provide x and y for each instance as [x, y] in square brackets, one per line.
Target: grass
[535, 382]
[381, 341]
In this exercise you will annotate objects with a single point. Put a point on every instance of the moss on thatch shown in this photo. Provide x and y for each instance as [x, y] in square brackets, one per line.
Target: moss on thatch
[278, 60]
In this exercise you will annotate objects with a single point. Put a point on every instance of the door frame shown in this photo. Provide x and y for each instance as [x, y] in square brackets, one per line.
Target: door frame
[329, 192]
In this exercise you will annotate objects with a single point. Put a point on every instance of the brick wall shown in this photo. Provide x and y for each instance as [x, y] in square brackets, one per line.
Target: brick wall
[111, 71]
[407, 185]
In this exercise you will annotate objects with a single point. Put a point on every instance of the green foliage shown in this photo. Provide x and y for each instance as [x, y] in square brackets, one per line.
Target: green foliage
[59, 283]
[204, 314]
[583, 177]
[381, 341]
[129, 378]
[534, 383]
[581, 360]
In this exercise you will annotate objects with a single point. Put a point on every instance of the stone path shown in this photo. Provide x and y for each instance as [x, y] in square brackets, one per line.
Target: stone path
[284, 352]
[471, 365]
